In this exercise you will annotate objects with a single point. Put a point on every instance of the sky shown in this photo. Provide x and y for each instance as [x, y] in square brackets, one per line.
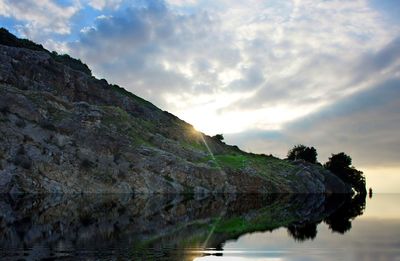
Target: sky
[267, 74]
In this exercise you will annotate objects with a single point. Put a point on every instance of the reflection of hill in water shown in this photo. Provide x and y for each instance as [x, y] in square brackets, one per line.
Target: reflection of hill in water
[126, 226]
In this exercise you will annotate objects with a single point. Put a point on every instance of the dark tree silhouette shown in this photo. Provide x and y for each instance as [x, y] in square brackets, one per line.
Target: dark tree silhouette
[340, 165]
[303, 232]
[219, 137]
[340, 220]
[300, 151]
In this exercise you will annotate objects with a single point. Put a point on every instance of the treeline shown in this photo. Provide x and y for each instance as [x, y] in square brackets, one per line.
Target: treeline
[339, 164]
[6, 38]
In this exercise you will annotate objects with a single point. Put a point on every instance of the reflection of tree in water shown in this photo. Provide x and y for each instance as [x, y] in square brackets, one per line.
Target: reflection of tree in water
[302, 232]
[161, 224]
[340, 220]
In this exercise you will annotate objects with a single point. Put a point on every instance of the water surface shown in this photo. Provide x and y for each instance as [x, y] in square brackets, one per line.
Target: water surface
[187, 227]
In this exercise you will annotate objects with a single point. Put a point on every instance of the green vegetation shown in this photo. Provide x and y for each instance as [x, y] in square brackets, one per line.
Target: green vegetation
[340, 165]
[136, 128]
[219, 137]
[75, 64]
[6, 38]
[194, 145]
[263, 165]
[132, 96]
[234, 162]
[240, 225]
[300, 151]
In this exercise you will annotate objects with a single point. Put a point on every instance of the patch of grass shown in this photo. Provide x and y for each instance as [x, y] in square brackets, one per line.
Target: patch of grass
[194, 145]
[136, 128]
[233, 225]
[132, 96]
[58, 116]
[115, 116]
[233, 161]
[263, 165]
[75, 64]
[261, 222]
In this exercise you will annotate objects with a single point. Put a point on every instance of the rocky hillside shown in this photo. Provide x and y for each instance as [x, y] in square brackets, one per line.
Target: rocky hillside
[63, 130]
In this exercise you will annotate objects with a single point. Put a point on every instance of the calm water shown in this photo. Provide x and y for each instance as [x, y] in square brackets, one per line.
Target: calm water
[183, 227]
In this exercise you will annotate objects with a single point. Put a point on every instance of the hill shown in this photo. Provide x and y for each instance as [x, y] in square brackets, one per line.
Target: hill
[63, 130]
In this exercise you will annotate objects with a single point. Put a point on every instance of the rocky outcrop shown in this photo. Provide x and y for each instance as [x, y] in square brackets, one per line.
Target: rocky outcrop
[62, 130]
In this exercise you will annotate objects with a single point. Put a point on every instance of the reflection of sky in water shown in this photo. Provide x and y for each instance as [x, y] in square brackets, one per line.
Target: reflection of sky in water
[374, 236]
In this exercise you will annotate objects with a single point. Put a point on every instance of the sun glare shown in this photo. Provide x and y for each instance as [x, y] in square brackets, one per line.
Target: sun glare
[212, 118]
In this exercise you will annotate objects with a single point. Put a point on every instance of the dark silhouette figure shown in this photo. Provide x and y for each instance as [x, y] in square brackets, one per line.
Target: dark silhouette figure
[370, 193]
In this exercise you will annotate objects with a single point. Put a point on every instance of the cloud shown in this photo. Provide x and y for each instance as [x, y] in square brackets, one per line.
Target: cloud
[364, 125]
[39, 17]
[153, 50]
[102, 4]
[182, 2]
[275, 56]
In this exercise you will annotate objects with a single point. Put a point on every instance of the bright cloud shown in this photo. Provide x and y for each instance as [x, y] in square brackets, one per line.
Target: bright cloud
[287, 54]
[101, 4]
[44, 16]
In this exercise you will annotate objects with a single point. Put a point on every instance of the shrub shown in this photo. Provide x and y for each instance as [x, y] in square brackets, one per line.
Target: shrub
[219, 137]
[6, 38]
[300, 151]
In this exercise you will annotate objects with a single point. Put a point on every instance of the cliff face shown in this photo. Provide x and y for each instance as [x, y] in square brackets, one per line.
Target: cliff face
[62, 130]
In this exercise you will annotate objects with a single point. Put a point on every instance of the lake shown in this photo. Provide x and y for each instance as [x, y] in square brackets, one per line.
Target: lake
[199, 227]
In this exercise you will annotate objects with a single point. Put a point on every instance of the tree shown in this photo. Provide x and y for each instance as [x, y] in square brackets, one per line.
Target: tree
[340, 165]
[350, 207]
[300, 151]
[303, 232]
[219, 137]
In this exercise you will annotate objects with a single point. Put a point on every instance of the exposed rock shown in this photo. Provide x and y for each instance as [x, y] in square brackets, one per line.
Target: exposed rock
[62, 130]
